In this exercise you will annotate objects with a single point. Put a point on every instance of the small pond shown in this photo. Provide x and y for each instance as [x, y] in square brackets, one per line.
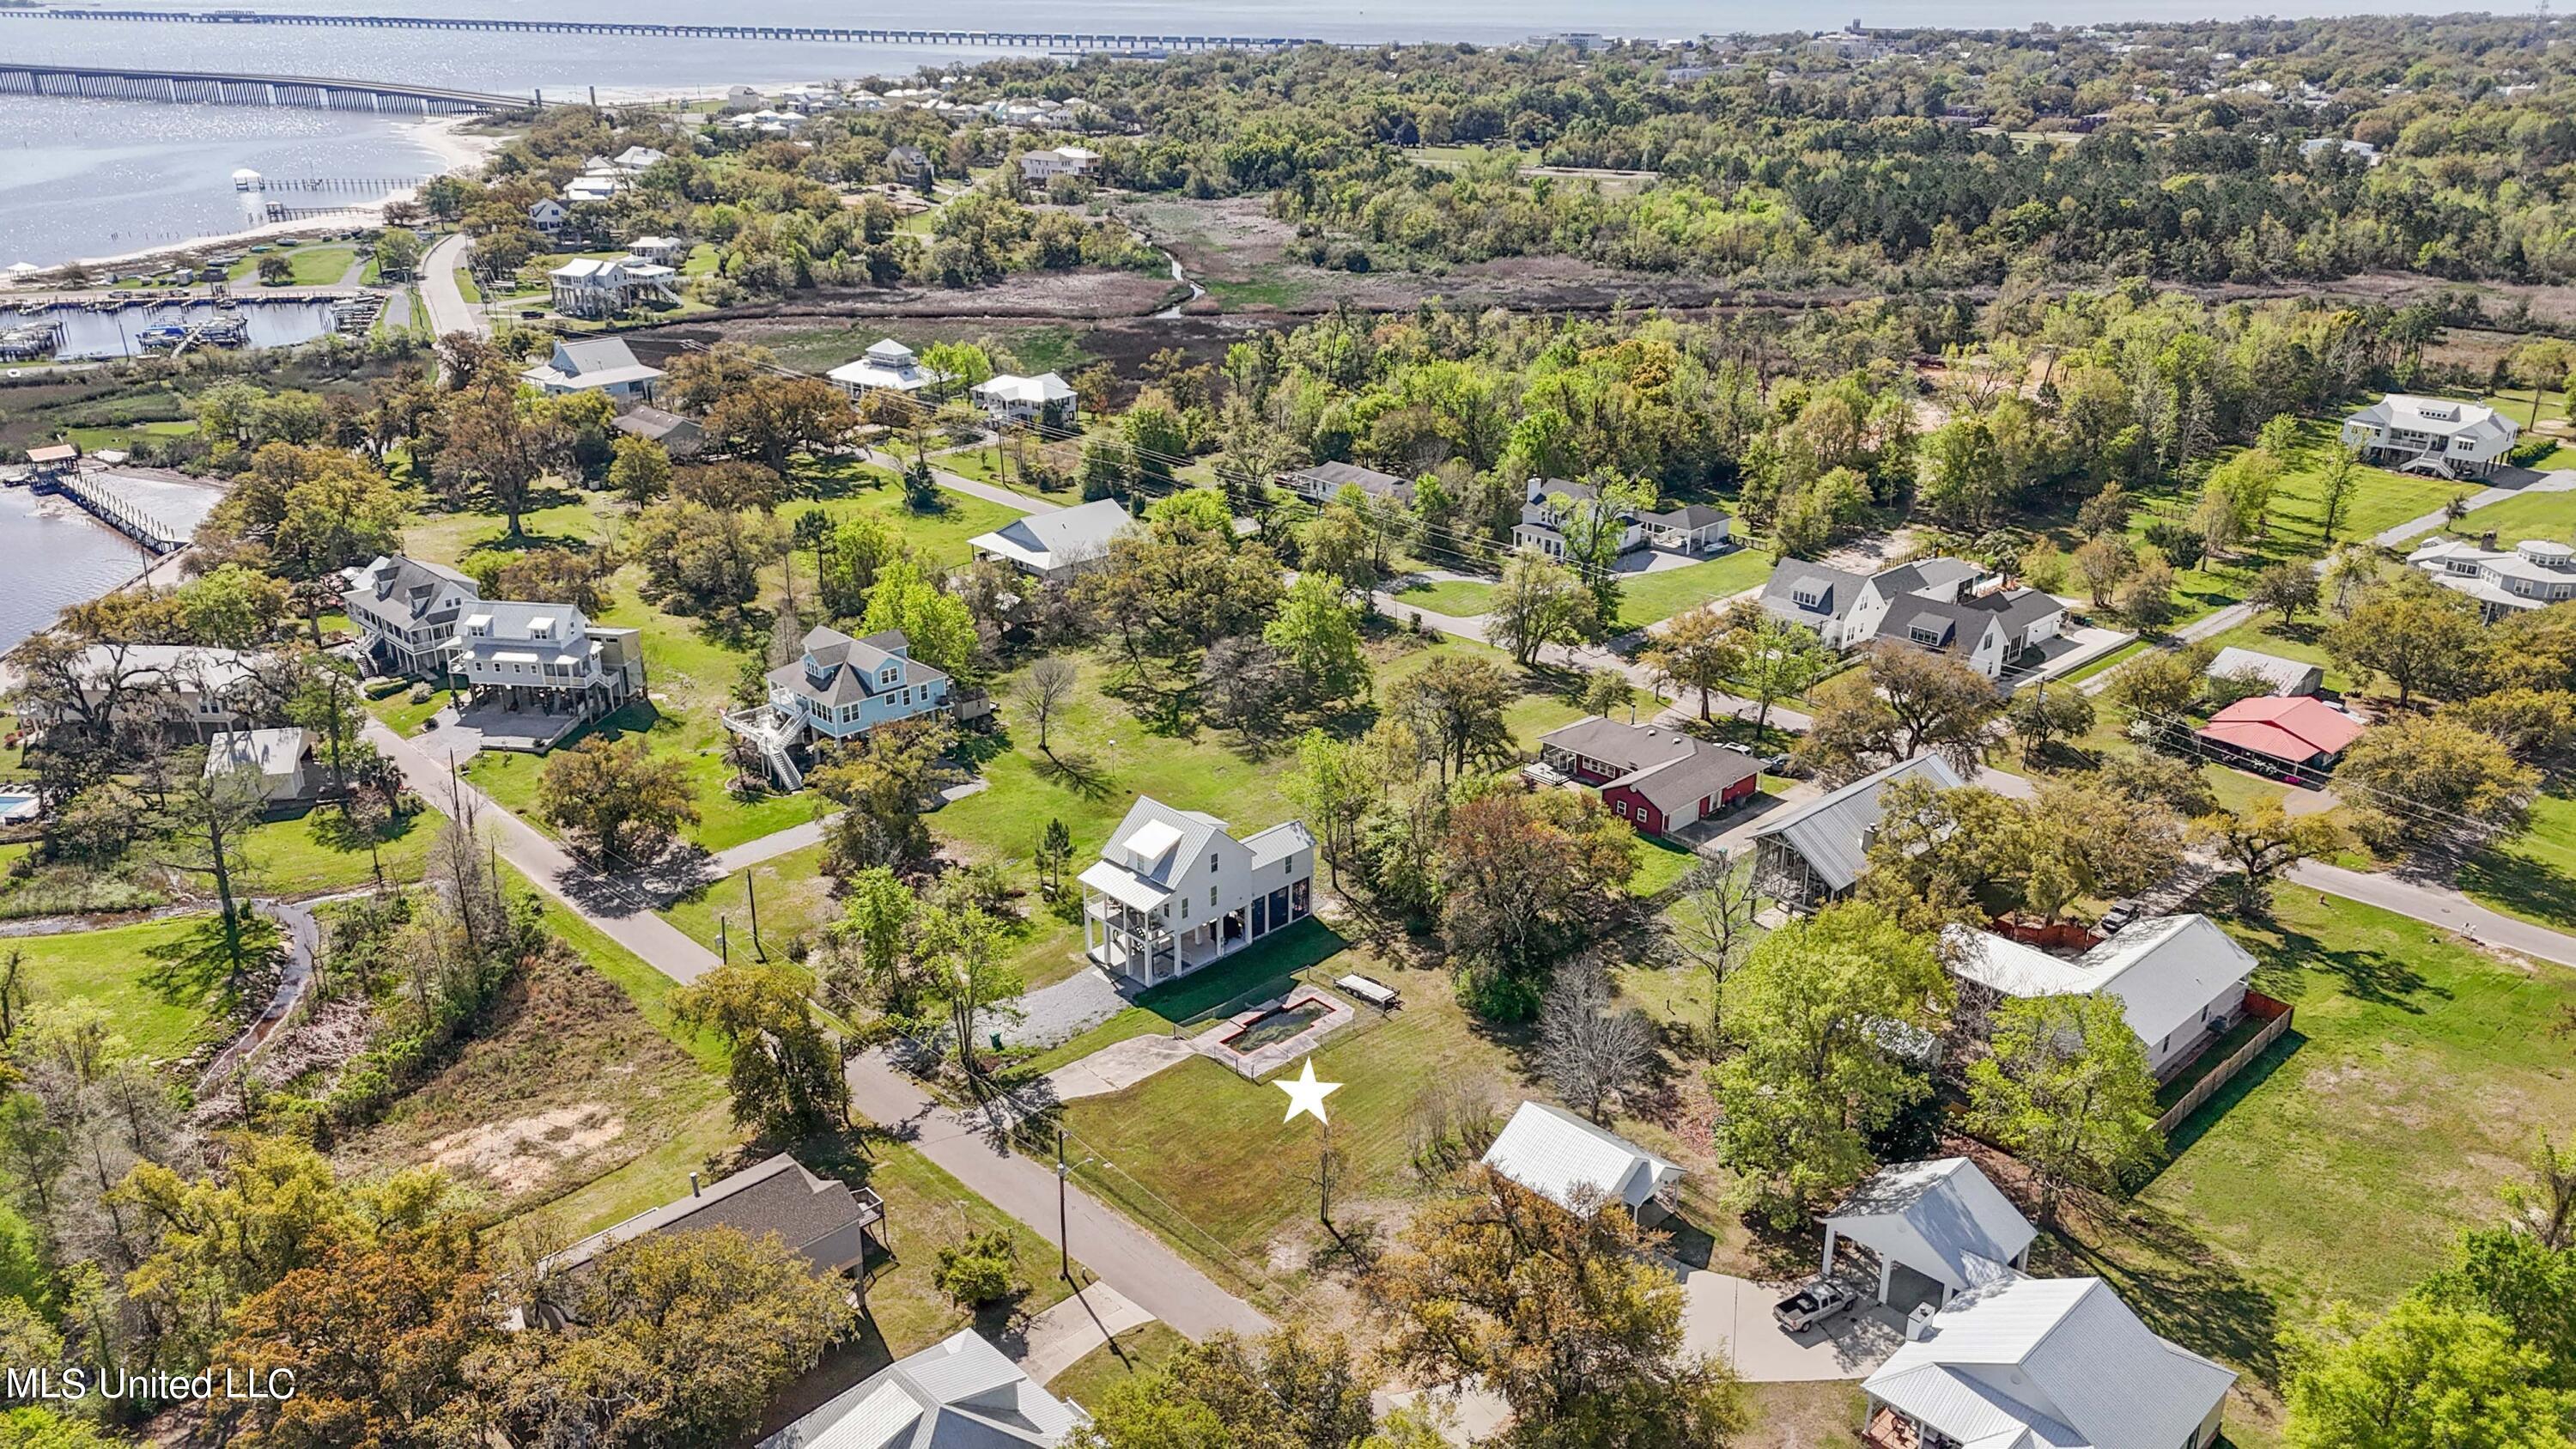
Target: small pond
[1277, 1026]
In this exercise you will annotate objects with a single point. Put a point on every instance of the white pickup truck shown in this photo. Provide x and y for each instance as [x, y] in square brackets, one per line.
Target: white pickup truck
[1812, 1305]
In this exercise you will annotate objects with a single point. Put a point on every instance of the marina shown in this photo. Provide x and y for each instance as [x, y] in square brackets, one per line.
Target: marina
[162, 323]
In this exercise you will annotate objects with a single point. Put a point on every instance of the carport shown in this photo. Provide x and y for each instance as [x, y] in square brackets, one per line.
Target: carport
[1937, 1228]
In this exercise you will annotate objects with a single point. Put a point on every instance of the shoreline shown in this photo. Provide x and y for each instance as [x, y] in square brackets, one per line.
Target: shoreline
[451, 151]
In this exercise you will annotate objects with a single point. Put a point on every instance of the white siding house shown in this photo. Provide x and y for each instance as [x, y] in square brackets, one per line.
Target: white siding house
[2534, 574]
[407, 611]
[2180, 980]
[2438, 435]
[1173, 891]
[596, 364]
[548, 658]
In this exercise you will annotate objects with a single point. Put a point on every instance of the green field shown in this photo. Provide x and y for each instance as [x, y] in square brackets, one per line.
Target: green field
[1648, 598]
[314, 266]
[1457, 598]
[163, 1009]
[938, 535]
[2342, 1163]
[2531, 874]
[320, 852]
[2527, 515]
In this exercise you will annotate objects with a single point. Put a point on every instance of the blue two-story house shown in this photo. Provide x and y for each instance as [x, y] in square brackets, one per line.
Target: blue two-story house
[845, 687]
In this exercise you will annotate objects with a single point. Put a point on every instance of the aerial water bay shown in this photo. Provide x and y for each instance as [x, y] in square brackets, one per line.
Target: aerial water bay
[97, 179]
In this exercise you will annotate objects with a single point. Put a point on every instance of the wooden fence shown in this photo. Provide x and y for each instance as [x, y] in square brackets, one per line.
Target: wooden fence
[2256, 1004]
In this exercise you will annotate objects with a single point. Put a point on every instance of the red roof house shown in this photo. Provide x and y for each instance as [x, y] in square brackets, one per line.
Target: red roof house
[2294, 733]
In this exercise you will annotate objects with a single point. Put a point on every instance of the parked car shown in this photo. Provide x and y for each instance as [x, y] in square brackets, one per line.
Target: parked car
[1813, 1304]
[2118, 914]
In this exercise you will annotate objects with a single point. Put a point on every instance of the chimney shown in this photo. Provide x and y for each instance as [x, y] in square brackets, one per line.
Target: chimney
[693, 1184]
[1918, 1324]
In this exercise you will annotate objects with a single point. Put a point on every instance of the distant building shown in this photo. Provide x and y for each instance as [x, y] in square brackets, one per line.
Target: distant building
[666, 251]
[2320, 144]
[1055, 545]
[2438, 435]
[406, 612]
[1546, 504]
[1655, 777]
[547, 215]
[1939, 605]
[595, 287]
[1045, 401]
[1848, 43]
[1173, 891]
[2534, 574]
[1321, 482]
[887, 365]
[596, 364]
[635, 158]
[912, 166]
[1045, 166]
[2279, 675]
[200, 687]
[680, 437]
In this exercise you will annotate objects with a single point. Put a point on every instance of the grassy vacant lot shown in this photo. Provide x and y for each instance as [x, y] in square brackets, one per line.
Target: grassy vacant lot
[1458, 598]
[2528, 515]
[695, 737]
[938, 535]
[163, 1010]
[794, 896]
[1200, 1153]
[2343, 1162]
[926, 1209]
[315, 266]
[996, 466]
[1649, 598]
[2532, 874]
[572, 520]
[1137, 1352]
[320, 852]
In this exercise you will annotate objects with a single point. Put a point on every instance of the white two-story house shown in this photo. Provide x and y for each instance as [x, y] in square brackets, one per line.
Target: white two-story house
[2437, 435]
[887, 366]
[406, 612]
[1173, 891]
[547, 658]
[1545, 507]
[1939, 605]
[2536, 573]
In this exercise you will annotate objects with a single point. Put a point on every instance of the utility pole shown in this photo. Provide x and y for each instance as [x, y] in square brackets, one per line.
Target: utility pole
[753, 897]
[1063, 1244]
[724, 951]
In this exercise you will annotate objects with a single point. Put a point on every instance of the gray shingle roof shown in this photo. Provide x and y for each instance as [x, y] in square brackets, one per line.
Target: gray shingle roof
[776, 1196]
[1370, 481]
[852, 666]
[1835, 589]
[1829, 834]
[409, 587]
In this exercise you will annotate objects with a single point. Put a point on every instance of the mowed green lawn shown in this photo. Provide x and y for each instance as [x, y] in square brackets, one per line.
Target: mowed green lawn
[314, 266]
[1200, 1153]
[1648, 598]
[938, 534]
[1457, 598]
[2341, 1165]
[163, 1011]
[2527, 515]
[321, 851]
[2532, 873]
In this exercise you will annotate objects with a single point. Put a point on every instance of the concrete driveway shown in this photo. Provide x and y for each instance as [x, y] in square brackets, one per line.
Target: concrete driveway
[1730, 1317]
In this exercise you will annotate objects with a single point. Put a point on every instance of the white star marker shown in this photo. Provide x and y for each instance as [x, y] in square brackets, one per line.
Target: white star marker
[1305, 1094]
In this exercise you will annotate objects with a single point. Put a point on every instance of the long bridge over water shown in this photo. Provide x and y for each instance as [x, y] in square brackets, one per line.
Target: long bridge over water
[319, 93]
[1033, 40]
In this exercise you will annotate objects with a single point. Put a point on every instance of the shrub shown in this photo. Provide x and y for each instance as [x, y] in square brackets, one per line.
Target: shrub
[979, 1270]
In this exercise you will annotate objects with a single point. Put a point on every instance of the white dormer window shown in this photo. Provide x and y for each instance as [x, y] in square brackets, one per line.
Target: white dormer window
[1808, 598]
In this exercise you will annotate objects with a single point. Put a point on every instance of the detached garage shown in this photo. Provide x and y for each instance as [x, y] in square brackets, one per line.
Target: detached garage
[1938, 1228]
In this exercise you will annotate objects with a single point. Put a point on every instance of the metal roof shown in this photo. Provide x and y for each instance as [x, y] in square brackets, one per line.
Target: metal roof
[1558, 1155]
[1830, 834]
[1944, 1219]
[2062, 1358]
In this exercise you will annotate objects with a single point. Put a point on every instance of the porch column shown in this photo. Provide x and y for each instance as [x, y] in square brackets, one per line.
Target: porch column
[1828, 1269]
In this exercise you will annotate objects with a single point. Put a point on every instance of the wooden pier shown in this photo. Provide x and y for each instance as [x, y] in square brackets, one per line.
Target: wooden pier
[156, 537]
[1052, 42]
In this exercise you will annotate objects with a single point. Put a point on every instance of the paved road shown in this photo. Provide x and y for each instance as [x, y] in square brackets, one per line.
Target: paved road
[2436, 905]
[614, 908]
[1103, 1239]
[448, 309]
[769, 847]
